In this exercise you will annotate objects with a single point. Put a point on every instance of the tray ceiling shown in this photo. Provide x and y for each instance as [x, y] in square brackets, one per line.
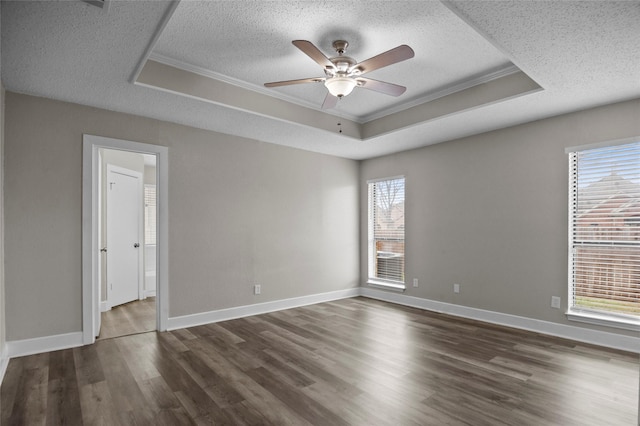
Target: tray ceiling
[478, 65]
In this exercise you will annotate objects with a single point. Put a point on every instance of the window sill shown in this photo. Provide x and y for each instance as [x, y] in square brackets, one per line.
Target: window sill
[386, 285]
[614, 321]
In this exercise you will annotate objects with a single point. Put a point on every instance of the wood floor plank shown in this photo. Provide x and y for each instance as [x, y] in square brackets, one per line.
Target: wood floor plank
[319, 368]
[30, 404]
[306, 407]
[97, 405]
[349, 362]
[63, 399]
[135, 317]
[88, 367]
[139, 352]
[344, 407]
[125, 392]
[10, 385]
[247, 415]
[215, 386]
[270, 408]
[378, 406]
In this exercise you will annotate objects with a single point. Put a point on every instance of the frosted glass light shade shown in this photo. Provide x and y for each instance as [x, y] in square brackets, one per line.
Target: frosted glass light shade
[340, 86]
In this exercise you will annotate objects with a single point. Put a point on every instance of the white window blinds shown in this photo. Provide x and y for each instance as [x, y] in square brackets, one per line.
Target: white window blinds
[604, 230]
[149, 214]
[386, 230]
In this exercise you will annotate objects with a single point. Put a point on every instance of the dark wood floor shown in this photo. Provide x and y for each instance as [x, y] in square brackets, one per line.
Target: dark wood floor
[351, 362]
[130, 318]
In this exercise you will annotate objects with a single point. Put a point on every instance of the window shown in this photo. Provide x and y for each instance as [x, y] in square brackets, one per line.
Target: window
[604, 235]
[149, 214]
[386, 232]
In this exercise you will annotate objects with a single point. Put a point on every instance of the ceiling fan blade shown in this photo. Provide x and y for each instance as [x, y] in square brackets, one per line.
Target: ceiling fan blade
[330, 101]
[381, 86]
[290, 82]
[389, 57]
[313, 52]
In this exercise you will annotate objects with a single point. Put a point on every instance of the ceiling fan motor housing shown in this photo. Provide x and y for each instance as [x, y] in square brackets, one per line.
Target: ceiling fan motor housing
[342, 66]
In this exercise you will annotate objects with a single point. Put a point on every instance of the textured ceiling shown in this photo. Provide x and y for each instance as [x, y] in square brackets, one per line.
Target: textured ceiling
[582, 54]
[251, 44]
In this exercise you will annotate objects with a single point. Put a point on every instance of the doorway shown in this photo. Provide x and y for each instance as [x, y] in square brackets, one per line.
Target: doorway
[93, 264]
[128, 247]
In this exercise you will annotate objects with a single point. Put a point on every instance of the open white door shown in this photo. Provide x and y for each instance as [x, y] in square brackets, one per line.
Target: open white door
[124, 232]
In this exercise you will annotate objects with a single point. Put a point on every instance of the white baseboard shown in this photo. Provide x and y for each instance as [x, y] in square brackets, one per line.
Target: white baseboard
[4, 363]
[104, 306]
[600, 338]
[259, 308]
[150, 293]
[16, 348]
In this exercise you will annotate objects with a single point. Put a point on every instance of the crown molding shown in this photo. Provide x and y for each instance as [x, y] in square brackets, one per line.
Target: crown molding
[446, 91]
[245, 85]
[173, 5]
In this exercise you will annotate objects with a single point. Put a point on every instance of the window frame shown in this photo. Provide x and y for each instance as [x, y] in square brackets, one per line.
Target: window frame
[372, 280]
[581, 314]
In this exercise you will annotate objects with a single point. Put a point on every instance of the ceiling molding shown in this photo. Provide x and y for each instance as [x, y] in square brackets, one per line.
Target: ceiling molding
[246, 85]
[449, 90]
[154, 39]
[157, 75]
[446, 91]
[498, 90]
[197, 86]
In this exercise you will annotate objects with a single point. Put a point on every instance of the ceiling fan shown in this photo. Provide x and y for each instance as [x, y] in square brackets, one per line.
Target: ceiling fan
[343, 74]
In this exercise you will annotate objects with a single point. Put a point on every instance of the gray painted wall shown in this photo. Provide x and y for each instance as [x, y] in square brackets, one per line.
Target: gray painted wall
[240, 212]
[2, 298]
[490, 212]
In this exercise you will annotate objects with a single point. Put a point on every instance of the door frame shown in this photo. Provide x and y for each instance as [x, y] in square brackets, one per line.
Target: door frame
[90, 230]
[140, 190]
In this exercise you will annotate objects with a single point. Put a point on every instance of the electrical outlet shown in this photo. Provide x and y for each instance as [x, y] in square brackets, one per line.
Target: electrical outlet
[555, 302]
[256, 289]
[456, 288]
[415, 282]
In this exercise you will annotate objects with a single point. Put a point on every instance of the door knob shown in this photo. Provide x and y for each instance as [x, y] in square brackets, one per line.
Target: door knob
[136, 245]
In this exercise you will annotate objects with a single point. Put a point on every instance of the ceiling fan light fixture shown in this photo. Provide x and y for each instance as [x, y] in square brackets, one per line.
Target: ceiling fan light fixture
[342, 73]
[340, 86]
